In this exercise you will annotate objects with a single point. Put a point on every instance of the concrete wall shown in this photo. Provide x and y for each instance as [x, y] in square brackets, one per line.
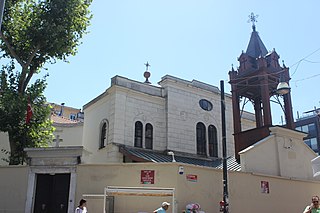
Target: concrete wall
[279, 154]
[70, 135]
[13, 188]
[245, 193]
[247, 121]
[4, 145]
[285, 195]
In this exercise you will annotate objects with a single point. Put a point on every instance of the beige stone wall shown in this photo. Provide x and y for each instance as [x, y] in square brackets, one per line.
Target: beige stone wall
[132, 106]
[184, 112]
[285, 195]
[100, 109]
[70, 135]
[247, 121]
[279, 154]
[13, 188]
[89, 181]
[4, 145]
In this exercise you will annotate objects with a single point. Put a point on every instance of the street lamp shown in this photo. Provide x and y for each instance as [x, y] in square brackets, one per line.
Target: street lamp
[283, 88]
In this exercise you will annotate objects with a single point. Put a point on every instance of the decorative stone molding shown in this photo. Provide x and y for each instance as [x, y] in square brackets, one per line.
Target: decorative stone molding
[54, 156]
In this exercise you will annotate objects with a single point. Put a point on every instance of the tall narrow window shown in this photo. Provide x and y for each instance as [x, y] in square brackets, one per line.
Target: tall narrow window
[103, 134]
[138, 134]
[201, 139]
[149, 136]
[213, 141]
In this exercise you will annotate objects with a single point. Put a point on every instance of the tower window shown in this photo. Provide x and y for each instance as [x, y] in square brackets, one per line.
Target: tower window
[149, 136]
[104, 134]
[138, 134]
[201, 139]
[213, 141]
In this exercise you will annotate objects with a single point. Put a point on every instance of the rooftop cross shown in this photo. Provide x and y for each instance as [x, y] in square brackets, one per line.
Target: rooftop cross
[147, 66]
[253, 19]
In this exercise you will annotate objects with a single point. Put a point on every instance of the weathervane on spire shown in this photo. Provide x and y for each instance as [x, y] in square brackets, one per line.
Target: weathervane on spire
[253, 19]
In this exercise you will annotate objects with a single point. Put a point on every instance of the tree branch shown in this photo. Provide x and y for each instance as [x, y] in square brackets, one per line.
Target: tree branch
[14, 55]
[30, 74]
[10, 48]
[21, 80]
[24, 81]
[33, 54]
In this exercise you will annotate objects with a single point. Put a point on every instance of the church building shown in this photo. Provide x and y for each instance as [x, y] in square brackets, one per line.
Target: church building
[137, 136]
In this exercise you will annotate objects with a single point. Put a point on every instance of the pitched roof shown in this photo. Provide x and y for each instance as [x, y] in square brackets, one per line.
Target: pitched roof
[63, 121]
[256, 47]
[144, 155]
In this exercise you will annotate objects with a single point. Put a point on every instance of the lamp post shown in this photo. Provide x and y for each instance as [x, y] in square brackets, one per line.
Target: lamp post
[224, 150]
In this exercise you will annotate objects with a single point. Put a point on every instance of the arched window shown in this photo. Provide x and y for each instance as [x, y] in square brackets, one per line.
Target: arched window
[149, 136]
[201, 139]
[103, 134]
[138, 134]
[213, 141]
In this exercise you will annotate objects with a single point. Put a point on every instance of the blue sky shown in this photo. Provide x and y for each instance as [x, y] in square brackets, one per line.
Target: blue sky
[189, 39]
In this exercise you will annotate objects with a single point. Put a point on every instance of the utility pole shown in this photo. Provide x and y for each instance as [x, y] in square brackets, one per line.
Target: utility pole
[224, 150]
[2, 2]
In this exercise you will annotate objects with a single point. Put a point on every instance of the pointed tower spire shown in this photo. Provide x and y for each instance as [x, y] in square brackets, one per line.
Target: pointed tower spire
[257, 80]
[256, 47]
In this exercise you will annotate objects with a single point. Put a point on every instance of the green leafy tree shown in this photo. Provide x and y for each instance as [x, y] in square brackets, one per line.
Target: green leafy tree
[34, 32]
[13, 108]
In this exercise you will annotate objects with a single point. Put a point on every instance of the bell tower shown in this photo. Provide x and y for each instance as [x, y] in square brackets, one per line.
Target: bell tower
[256, 80]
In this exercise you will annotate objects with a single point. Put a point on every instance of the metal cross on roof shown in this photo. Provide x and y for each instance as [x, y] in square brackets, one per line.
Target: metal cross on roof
[147, 66]
[253, 19]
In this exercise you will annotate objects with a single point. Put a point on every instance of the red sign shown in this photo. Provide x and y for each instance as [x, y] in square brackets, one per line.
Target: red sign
[147, 177]
[192, 178]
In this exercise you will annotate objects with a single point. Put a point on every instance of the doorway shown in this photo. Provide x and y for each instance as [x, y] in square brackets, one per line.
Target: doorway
[52, 193]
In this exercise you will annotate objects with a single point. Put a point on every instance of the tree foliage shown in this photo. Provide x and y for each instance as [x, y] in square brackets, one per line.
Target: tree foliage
[13, 114]
[34, 32]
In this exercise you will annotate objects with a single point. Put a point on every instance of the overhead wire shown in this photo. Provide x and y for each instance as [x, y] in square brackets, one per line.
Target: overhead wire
[304, 58]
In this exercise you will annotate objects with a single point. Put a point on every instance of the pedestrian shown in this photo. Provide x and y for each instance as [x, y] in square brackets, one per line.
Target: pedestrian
[314, 206]
[163, 209]
[82, 208]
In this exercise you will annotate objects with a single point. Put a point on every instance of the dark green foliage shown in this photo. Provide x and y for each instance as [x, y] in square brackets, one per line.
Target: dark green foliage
[34, 32]
[13, 107]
